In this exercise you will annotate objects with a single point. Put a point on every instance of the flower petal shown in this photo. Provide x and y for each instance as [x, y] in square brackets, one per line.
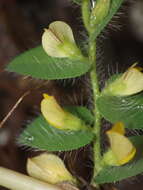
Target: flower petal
[58, 40]
[62, 30]
[51, 44]
[58, 117]
[131, 82]
[121, 147]
[118, 128]
[49, 168]
[133, 79]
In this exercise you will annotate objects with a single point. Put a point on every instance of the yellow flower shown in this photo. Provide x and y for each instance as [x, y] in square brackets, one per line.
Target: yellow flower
[58, 117]
[49, 168]
[122, 149]
[131, 82]
[58, 41]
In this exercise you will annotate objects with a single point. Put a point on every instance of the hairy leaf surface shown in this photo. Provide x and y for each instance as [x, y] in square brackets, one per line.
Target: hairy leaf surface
[128, 110]
[40, 135]
[36, 63]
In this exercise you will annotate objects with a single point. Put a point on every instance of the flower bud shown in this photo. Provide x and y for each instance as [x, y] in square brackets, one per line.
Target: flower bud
[121, 148]
[99, 12]
[131, 82]
[58, 41]
[58, 117]
[49, 168]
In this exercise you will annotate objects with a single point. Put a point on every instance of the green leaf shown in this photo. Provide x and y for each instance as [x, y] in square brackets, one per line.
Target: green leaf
[82, 112]
[115, 4]
[113, 78]
[40, 135]
[113, 174]
[137, 141]
[128, 110]
[38, 64]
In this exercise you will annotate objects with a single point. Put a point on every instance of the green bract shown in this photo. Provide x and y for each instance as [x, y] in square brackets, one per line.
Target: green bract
[115, 5]
[99, 12]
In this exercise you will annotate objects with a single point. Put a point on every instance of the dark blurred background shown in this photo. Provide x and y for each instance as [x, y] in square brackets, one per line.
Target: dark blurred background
[21, 26]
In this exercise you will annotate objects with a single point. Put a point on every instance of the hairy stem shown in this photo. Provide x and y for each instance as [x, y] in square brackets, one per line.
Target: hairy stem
[96, 94]
[86, 16]
[86, 13]
[16, 181]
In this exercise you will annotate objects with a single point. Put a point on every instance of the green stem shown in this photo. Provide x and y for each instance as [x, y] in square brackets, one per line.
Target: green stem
[86, 14]
[88, 19]
[96, 94]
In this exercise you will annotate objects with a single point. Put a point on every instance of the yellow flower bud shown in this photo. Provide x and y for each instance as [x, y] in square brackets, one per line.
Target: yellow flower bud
[58, 117]
[58, 41]
[131, 82]
[49, 168]
[122, 149]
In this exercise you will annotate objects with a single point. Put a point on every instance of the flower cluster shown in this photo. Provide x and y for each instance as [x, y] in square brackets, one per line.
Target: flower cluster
[58, 41]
